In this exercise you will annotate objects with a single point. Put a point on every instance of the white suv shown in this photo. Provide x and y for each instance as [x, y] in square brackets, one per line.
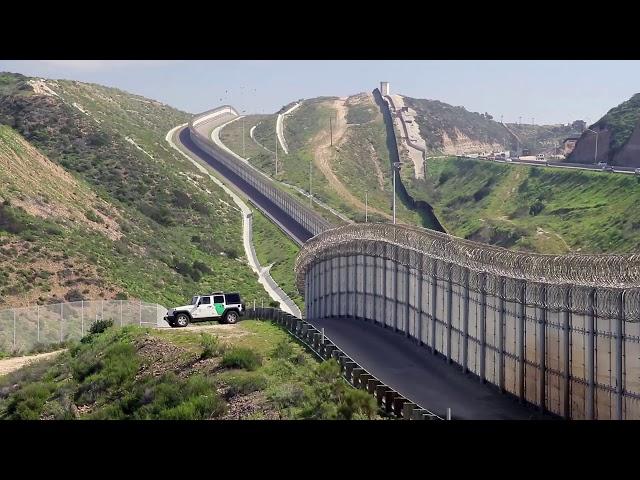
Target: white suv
[225, 306]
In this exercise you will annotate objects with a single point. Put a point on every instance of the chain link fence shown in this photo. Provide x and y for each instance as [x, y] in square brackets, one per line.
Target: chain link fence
[24, 329]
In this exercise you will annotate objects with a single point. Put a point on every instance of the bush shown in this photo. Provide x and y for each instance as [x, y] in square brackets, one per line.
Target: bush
[241, 357]
[28, 402]
[244, 384]
[121, 296]
[91, 215]
[202, 267]
[100, 326]
[211, 346]
[283, 350]
[357, 404]
[74, 295]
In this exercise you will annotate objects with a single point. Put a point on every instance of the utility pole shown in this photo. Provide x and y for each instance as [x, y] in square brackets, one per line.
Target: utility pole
[396, 166]
[244, 155]
[366, 207]
[532, 121]
[276, 152]
[331, 129]
[310, 183]
[520, 120]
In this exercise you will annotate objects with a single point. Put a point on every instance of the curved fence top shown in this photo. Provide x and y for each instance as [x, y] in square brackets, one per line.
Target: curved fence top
[605, 270]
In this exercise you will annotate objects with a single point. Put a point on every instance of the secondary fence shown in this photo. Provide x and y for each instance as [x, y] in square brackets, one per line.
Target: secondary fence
[298, 211]
[23, 329]
[560, 332]
[387, 399]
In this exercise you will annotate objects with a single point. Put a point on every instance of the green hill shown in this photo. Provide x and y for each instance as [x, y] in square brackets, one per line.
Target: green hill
[115, 209]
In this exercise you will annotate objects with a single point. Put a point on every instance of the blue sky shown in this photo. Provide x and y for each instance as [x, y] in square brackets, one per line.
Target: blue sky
[548, 91]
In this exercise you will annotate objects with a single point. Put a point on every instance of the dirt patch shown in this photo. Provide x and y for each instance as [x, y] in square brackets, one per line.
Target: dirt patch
[12, 364]
[243, 406]
[324, 154]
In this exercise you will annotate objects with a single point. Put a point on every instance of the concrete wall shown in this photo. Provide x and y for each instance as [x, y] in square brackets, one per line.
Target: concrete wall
[571, 349]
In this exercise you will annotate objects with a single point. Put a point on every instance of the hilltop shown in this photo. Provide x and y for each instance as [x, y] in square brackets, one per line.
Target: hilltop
[618, 137]
[96, 203]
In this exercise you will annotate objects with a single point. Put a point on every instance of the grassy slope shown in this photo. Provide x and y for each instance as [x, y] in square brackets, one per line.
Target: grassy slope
[273, 247]
[170, 214]
[578, 211]
[254, 371]
[621, 120]
[354, 157]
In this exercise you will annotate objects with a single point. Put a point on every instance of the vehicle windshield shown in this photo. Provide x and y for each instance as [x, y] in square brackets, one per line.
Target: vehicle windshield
[194, 300]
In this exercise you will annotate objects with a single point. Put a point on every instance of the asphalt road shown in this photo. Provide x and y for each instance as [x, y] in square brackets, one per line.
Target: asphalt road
[301, 233]
[422, 377]
[572, 166]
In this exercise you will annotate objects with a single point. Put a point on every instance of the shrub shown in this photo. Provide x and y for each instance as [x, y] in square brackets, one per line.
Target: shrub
[74, 295]
[283, 350]
[357, 404]
[91, 215]
[100, 326]
[201, 266]
[28, 402]
[211, 346]
[246, 383]
[241, 357]
[121, 296]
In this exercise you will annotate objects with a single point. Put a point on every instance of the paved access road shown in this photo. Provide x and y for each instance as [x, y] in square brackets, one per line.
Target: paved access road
[422, 377]
[301, 233]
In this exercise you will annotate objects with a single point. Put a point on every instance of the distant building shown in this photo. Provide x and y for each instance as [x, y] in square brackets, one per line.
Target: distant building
[384, 88]
[568, 144]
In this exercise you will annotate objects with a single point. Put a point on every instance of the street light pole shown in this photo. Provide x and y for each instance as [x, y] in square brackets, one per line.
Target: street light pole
[595, 158]
[310, 183]
[276, 152]
[396, 166]
[366, 207]
[244, 155]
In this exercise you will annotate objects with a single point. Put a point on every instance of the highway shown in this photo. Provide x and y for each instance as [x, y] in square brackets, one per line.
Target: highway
[572, 166]
[420, 376]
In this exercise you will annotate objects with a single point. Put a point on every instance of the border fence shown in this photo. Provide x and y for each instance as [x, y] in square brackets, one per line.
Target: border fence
[559, 332]
[313, 222]
[23, 329]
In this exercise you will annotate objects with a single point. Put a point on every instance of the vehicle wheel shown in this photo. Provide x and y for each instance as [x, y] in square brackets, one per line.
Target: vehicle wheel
[231, 317]
[182, 320]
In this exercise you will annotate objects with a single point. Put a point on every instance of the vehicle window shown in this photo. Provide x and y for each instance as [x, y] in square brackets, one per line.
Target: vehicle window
[232, 298]
[205, 301]
[194, 300]
[218, 299]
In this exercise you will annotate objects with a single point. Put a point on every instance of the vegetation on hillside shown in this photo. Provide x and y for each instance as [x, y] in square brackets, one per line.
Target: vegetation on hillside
[621, 121]
[174, 231]
[134, 373]
[539, 209]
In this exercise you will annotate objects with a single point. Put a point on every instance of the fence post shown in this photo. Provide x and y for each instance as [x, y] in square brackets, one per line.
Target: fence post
[566, 399]
[385, 313]
[419, 305]
[407, 293]
[619, 352]
[434, 294]
[14, 329]
[140, 313]
[590, 360]
[542, 324]
[102, 309]
[521, 350]
[483, 324]
[501, 317]
[120, 312]
[82, 317]
[395, 291]
[449, 312]
[38, 310]
[465, 323]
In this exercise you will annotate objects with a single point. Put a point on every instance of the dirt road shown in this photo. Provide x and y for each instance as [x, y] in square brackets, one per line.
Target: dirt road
[11, 364]
[324, 153]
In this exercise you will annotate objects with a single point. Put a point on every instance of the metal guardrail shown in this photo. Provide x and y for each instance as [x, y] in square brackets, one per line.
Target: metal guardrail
[389, 400]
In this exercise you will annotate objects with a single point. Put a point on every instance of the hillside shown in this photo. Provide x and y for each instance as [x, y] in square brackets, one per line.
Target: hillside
[99, 194]
[536, 209]
[252, 370]
[356, 165]
[453, 130]
[618, 137]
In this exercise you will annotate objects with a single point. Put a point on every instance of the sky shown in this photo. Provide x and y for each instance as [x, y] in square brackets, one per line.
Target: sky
[545, 92]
